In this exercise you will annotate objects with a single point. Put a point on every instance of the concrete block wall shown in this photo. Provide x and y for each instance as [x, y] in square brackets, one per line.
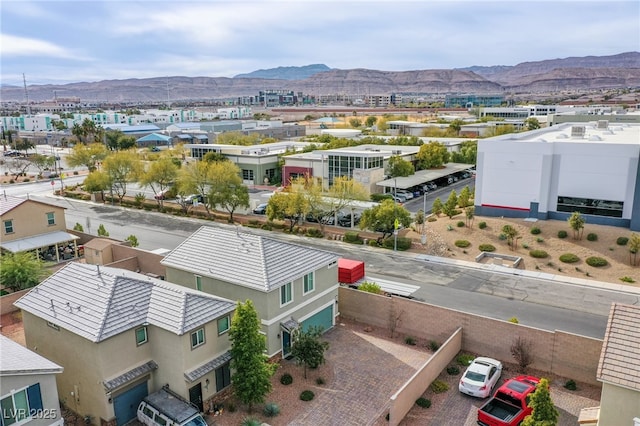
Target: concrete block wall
[553, 352]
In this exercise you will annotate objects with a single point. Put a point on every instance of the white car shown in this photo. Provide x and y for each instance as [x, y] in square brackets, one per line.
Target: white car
[480, 377]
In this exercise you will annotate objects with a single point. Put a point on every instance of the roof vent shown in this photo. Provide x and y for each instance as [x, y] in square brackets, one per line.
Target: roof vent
[603, 124]
[577, 131]
[562, 136]
[595, 138]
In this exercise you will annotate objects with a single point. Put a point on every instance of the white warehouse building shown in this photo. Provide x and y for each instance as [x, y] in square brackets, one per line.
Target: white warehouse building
[592, 168]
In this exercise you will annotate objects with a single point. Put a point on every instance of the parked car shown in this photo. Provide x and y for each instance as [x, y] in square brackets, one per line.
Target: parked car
[480, 377]
[162, 195]
[345, 221]
[12, 153]
[399, 199]
[509, 407]
[190, 199]
[406, 194]
[261, 209]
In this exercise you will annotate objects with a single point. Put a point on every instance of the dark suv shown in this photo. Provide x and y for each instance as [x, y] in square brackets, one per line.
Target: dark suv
[345, 221]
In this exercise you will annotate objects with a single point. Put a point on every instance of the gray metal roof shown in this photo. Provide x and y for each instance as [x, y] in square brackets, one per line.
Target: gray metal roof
[196, 373]
[15, 359]
[245, 259]
[98, 302]
[37, 241]
[423, 176]
[130, 376]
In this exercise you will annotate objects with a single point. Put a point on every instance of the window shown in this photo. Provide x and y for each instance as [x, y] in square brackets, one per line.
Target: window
[53, 325]
[223, 377]
[51, 218]
[590, 206]
[141, 336]
[18, 406]
[308, 283]
[197, 338]
[247, 174]
[159, 420]
[285, 294]
[198, 282]
[8, 226]
[223, 324]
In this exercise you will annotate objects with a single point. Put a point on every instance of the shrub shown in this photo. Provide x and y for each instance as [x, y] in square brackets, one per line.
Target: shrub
[521, 350]
[627, 279]
[569, 258]
[535, 230]
[423, 402]
[319, 381]
[370, 287]
[271, 409]
[78, 227]
[453, 370]
[486, 247]
[562, 234]
[538, 254]
[231, 407]
[381, 197]
[596, 261]
[307, 395]
[502, 237]
[403, 243]
[433, 345]
[525, 245]
[438, 386]
[267, 226]
[26, 180]
[540, 240]
[462, 243]
[410, 340]
[622, 241]
[570, 384]
[75, 173]
[592, 237]
[465, 359]
[514, 320]
[316, 233]
[432, 219]
[352, 237]
[286, 379]
[460, 224]
[373, 243]
[482, 225]
[250, 421]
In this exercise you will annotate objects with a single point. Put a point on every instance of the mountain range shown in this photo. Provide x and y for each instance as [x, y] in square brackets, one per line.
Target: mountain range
[567, 74]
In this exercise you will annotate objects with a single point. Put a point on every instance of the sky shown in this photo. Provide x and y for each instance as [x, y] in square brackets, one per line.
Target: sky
[74, 41]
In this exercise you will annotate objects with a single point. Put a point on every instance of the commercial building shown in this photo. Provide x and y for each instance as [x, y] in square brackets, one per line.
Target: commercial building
[592, 168]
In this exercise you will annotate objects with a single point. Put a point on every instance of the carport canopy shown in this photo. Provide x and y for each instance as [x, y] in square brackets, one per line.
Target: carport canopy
[423, 176]
[38, 241]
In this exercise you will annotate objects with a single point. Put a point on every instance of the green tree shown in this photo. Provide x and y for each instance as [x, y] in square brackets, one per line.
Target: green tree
[437, 206]
[465, 197]
[420, 219]
[370, 287]
[382, 218]
[355, 122]
[371, 120]
[212, 157]
[512, 236]
[449, 207]
[469, 213]
[308, 349]
[576, 223]
[227, 190]
[102, 231]
[159, 176]
[195, 178]
[87, 155]
[133, 240]
[532, 123]
[97, 181]
[122, 167]
[24, 145]
[78, 227]
[291, 206]
[250, 365]
[455, 126]
[21, 270]
[634, 248]
[432, 155]
[543, 413]
[42, 162]
[399, 167]
[118, 141]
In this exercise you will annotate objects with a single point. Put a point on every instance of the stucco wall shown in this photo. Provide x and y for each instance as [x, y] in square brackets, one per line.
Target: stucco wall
[30, 218]
[406, 397]
[618, 406]
[6, 302]
[48, 392]
[553, 352]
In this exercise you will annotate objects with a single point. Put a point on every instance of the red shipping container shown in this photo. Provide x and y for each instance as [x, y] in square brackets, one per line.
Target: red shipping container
[350, 271]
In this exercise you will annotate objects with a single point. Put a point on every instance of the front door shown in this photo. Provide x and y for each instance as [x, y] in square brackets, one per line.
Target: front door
[286, 343]
[195, 396]
[533, 210]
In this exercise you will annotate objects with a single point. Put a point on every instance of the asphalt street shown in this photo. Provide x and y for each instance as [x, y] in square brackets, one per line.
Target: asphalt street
[550, 305]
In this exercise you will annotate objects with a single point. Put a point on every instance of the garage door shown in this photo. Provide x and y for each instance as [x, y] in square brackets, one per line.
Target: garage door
[323, 319]
[126, 404]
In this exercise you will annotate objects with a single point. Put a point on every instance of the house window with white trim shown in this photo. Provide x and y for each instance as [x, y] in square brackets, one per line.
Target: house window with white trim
[8, 226]
[197, 338]
[141, 336]
[286, 295]
[18, 406]
[223, 324]
[307, 283]
[51, 218]
[198, 282]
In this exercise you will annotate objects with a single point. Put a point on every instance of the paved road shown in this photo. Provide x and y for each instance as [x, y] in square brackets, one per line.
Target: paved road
[536, 302]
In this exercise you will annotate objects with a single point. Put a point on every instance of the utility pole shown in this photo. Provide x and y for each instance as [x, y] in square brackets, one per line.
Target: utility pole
[395, 213]
[423, 239]
[26, 94]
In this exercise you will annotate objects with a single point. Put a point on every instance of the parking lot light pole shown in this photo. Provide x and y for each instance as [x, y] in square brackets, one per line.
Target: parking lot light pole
[423, 239]
[395, 213]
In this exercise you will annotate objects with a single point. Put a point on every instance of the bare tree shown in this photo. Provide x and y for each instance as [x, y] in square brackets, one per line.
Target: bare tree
[521, 351]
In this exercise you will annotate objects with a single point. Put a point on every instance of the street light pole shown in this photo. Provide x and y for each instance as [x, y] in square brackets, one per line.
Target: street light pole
[424, 219]
[395, 214]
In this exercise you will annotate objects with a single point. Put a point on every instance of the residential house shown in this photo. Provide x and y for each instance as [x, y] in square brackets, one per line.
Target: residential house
[291, 285]
[121, 335]
[619, 371]
[30, 225]
[28, 392]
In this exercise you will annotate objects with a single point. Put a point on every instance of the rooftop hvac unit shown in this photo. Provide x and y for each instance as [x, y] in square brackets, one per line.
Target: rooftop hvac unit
[577, 131]
[396, 152]
[603, 124]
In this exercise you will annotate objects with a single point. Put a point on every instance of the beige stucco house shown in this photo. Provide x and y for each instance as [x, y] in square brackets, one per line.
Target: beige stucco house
[28, 392]
[291, 285]
[121, 335]
[30, 225]
[619, 371]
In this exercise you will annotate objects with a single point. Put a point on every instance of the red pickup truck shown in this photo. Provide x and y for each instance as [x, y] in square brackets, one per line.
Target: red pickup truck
[508, 407]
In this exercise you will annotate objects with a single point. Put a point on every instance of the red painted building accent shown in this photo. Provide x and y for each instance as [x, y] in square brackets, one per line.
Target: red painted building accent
[493, 206]
[287, 171]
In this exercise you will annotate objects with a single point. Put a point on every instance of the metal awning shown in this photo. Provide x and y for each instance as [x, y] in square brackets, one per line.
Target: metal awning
[130, 376]
[290, 325]
[196, 373]
[38, 241]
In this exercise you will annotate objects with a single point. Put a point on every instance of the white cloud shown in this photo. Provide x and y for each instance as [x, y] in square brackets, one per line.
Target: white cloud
[23, 46]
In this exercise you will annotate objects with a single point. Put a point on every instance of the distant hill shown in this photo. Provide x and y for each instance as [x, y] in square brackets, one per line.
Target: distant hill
[578, 74]
[287, 73]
